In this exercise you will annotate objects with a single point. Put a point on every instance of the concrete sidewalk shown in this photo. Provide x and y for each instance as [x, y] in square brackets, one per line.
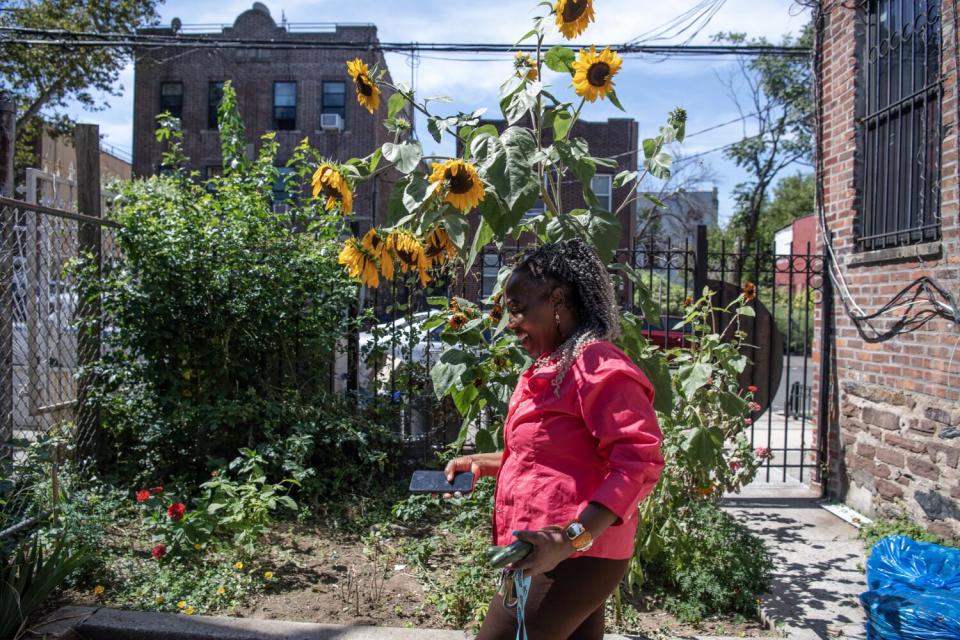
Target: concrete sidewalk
[817, 562]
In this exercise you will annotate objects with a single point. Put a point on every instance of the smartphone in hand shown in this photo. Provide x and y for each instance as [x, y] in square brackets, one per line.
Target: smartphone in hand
[424, 481]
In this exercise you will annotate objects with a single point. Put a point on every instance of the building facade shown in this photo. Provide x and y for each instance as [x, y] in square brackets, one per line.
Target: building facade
[678, 219]
[297, 92]
[888, 173]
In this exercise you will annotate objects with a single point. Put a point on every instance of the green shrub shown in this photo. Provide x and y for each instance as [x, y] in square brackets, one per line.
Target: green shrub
[711, 564]
[878, 529]
[222, 315]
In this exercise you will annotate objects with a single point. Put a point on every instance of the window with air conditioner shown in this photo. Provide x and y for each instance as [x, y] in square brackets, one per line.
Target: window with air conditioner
[333, 100]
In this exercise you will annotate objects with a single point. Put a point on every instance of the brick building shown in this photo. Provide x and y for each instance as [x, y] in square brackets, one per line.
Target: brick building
[616, 138]
[888, 170]
[299, 92]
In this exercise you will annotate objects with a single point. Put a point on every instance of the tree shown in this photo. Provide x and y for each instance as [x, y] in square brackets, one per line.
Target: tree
[777, 124]
[792, 198]
[42, 79]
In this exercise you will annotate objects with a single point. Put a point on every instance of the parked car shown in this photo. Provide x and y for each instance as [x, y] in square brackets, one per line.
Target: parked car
[388, 345]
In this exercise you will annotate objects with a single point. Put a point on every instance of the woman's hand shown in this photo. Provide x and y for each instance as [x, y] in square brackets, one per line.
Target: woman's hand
[480, 464]
[550, 548]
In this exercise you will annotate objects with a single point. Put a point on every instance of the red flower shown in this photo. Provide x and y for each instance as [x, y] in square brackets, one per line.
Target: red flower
[157, 489]
[159, 551]
[748, 421]
[142, 496]
[176, 510]
[764, 452]
[752, 388]
[754, 406]
[734, 466]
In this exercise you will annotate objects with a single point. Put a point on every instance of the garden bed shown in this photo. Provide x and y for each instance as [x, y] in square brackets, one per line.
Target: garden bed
[327, 575]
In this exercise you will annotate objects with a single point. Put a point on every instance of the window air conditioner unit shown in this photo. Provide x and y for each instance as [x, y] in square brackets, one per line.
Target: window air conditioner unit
[331, 122]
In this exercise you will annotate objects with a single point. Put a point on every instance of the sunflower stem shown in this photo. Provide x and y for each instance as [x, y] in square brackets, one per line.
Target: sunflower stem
[576, 116]
[537, 118]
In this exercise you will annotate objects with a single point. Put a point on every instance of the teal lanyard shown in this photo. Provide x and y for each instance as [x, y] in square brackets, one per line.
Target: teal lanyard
[522, 585]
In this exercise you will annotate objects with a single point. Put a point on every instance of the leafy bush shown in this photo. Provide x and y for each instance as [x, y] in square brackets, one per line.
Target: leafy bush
[711, 564]
[878, 529]
[223, 315]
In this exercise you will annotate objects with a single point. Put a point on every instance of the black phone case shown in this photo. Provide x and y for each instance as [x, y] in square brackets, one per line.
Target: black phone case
[436, 482]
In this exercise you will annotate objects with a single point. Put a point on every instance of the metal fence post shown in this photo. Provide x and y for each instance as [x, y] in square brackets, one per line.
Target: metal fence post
[8, 131]
[700, 262]
[87, 140]
[824, 387]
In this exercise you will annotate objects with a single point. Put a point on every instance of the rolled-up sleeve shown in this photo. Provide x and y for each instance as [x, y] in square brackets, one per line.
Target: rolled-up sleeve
[617, 405]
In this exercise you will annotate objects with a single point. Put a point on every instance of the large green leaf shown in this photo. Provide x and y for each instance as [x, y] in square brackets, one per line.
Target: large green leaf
[449, 370]
[576, 156]
[560, 59]
[655, 367]
[395, 104]
[703, 446]
[517, 176]
[603, 231]
[405, 156]
[481, 238]
[395, 206]
[694, 377]
[417, 192]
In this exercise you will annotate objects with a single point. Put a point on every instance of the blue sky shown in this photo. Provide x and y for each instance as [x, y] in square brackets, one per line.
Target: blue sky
[648, 89]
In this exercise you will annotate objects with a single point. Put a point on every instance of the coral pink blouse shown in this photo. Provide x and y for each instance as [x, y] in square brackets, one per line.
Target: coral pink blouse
[599, 441]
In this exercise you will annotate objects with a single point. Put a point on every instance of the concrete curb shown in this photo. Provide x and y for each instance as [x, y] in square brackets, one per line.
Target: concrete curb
[98, 623]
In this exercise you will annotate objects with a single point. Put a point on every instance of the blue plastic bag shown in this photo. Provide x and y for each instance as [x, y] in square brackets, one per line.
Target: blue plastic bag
[914, 591]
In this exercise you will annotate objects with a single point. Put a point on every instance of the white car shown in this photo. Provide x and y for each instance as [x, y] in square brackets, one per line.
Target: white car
[391, 344]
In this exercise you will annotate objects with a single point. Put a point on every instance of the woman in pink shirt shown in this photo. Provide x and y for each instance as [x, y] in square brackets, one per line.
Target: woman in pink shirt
[581, 447]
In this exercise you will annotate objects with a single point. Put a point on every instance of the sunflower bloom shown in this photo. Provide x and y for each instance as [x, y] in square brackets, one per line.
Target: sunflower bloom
[464, 189]
[525, 66]
[456, 321]
[410, 253]
[330, 185]
[360, 265]
[593, 73]
[440, 247]
[376, 246]
[573, 16]
[368, 93]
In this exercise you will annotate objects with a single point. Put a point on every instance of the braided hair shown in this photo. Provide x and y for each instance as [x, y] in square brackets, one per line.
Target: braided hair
[576, 265]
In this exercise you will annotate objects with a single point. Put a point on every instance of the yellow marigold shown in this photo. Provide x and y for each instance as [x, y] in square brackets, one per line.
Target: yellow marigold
[376, 246]
[268, 575]
[221, 591]
[410, 253]
[198, 546]
[593, 72]
[525, 66]
[573, 16]
[159, 599]
[360, 265]
[238, 565]
[440, 247]
[464, 188]
[182, 604]
[330, 185]
[99, 590]
[368, 93]
[189, 611]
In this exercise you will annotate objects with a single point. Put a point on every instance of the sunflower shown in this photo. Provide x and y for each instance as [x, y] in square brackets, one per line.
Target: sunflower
[410, 253]
[330, 184]
[464, 189]
[368, 93]
[573, 16]
[377, 247]
[440, 247]
[525, 66]
[456, 321]
[360, 264]
[593, 72]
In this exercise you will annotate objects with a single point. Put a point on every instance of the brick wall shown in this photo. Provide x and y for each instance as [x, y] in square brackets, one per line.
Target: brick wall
[894, 428]
[252, 72]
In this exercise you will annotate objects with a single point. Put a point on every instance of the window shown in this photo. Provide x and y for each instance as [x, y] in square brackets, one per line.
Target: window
[281, 194]
[214, 96]
[333, 98]
[537, 209]
[284, 106]
[602, 186]
[171, 98]
[901, 92]
[491, 270]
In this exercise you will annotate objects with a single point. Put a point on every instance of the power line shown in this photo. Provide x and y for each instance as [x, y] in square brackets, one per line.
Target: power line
[86, 39]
